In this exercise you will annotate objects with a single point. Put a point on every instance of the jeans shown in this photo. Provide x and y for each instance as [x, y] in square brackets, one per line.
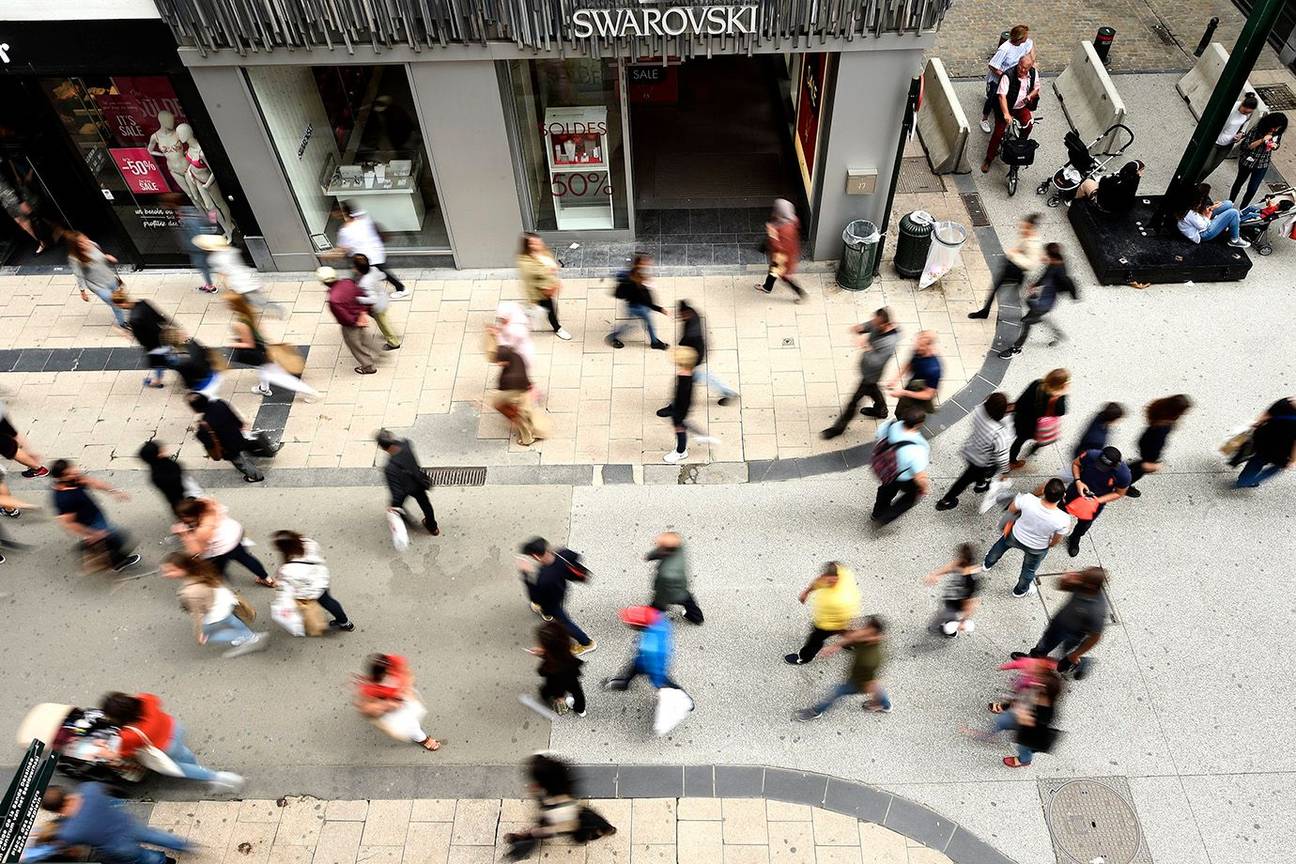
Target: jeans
[1007, 721]
[971, 474]
[1252, 177]
[155, 837]
[814, 642]
[1035, 316]
[559, 614]
[713, 380]
[105, 294]
[184, 757]
[1226, 217]
[644, 314]
[848, 688]
[692, 611]
[333, 607]
[1031, 558]
[1257, 470]
[884, 510]
[198, 260]
[240, 554]
[391, 277]
[420, 497]
[867, 387]
[114, 543]
[547, 304]
[227, 631]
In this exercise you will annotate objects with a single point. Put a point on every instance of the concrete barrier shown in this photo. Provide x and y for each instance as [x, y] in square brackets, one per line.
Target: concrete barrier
[942, 125]
[1199, 82]
[1088, 97]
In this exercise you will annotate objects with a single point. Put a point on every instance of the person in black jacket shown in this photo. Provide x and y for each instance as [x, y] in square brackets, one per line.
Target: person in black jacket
[192, 362]
[1043, 398]
[632, 287]
[678, 410]
[225, 436]
[1162, 416]
[146, 325]
[405, 479]
[694, 336]
[560, 668]
[545, 572]
[167, 474]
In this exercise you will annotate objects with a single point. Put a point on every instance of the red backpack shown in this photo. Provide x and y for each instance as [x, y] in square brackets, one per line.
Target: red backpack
[883, 459]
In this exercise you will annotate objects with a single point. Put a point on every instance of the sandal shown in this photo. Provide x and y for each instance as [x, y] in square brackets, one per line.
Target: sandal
[1014, 762]
[269, 583]
[430, 744]
[996, 707]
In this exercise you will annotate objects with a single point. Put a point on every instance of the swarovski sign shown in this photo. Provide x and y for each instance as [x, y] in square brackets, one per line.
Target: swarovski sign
[699, 20]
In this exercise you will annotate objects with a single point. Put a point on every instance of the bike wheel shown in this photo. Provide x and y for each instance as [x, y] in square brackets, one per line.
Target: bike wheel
[1012, 181]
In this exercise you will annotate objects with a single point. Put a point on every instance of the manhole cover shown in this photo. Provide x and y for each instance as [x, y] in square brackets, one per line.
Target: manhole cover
[976, 210]
[1278, 97]
[1091, 819]
[456, 476]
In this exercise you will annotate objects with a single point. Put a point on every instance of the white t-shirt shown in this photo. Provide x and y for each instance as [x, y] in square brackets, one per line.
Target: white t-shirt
[360, 235]
[1036, 524]
[1232, 126]
[1023, 90]
[228, 534]
[1192, 225]
[1007, 56]
[223, 603]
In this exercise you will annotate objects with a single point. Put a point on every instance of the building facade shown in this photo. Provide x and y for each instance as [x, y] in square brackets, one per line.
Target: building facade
[458, 125]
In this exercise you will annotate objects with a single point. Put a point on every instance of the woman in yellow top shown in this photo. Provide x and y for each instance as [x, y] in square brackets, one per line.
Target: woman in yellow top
[538, 269]
[834, 602]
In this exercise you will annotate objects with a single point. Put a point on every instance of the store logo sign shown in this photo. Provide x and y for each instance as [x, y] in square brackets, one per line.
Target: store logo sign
[671, 21]
[4, 53]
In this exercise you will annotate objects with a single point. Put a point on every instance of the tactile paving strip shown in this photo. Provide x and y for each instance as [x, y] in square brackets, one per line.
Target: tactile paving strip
[1093, 818]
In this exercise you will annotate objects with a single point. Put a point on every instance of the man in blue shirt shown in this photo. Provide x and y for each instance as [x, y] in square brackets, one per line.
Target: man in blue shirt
[1102, 477]
[92, 817]
[912, 455]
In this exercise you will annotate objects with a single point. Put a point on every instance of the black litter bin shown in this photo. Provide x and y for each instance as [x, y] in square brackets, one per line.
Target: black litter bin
[860, 243]
[914, 241]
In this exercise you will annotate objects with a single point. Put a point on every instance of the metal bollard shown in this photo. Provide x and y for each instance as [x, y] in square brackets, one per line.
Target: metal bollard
[1103, 41]
[1206, 37]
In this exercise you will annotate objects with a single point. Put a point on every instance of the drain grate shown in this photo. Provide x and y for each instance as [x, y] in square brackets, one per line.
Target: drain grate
[976, 210]
[1278, 97]
[456, 476]
[915, 176]
[1163, 33]
[1093, 819]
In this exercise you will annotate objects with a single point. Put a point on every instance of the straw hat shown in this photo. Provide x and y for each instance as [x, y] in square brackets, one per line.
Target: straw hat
[210, 242]
[326, 274]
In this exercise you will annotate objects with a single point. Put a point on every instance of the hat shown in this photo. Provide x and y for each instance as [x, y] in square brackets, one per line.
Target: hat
[210, 242]
[326, 274]
[638, 616]
[1111, 457]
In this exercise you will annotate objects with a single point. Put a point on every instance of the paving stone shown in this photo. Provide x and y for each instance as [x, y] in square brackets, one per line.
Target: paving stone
[280, 854]
[550, 854]
[698, 808]
[300, 822]
[517, 810]
[923, 855]
[475, 821]
[346, 811]
[387, 823]
[380, 854]
[837, 855]
[433, 810]
[744, 821]
[698, 842]
[259, 810]
[213, 823]
[652, 853]
[250, 842]
[791, 843]
[781, 811]
[339, 843]
[173, 816]
[653, 821]
[616, 848]
[471, 855]
[835, 829]
[882, 846]
[427, 843]
[746, 855]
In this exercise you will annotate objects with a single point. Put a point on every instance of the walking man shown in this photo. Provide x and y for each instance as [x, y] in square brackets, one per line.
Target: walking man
[1019, 44]
[405, 479]
[1021, 260]
[1039, 526]
[545, 573]
[877, 339]
[985, 452]
[1100, 477]
[1041, 297]
[81, 517]
[93, 817]
[1078, 625]
[1018, 95]
[867, 662]
[834, 602]
[671, 584]
[359, 236]
[694, 336]
[345, 304]
[910, 454]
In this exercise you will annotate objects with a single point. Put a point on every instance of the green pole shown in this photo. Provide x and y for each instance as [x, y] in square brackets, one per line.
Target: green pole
[1245, 53]
[906, 127]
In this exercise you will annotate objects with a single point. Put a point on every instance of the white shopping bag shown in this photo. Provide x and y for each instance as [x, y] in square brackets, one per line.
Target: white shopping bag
[995, 496]
[673, 706]
[399, 533]
[285, 613]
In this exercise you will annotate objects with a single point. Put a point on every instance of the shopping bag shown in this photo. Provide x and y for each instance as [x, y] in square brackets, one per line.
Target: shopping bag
[154, 758]
[313, 618]
[1238, 447]
[399, 533]
[243, 610]
[994, 496]
[673, 705]
[287, 615]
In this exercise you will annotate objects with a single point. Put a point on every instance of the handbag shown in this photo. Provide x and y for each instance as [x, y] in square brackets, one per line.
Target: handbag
[1083, 508]
[154, 758]
[243, 610]
[286, 614]
[287, 357]
[673, 705]
[312, 616]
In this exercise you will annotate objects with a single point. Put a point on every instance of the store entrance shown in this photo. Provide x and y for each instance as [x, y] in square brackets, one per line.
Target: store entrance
[712, 146]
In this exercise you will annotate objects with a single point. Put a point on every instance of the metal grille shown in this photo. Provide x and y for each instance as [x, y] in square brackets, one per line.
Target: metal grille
[456, 476]
[1093, 819]
[249, 26]
[976, 210]
[915, 176]
[1278, 97]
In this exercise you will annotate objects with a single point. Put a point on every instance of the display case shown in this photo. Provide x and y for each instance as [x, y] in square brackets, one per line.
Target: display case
[580, 181]
[386, 187]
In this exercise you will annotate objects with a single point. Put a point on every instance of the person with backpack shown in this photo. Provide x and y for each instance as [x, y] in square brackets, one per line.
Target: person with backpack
[985, 452]
[1272, 446]
[1019, 92]
[405, 478]
[632, 287]
[1041, 298]
[900, 458]
[545, 572]
[1100, 477]
[225, 436]
[553, 785]
[834, 599]
[304, 578]
[1037, 414]
[1036, 525]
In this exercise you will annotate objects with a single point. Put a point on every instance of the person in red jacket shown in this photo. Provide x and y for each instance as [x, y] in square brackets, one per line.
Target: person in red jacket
[783, 245]
[344, 302]
[144, 725]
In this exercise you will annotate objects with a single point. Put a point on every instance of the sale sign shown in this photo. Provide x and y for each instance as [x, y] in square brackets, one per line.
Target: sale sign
[141, 173]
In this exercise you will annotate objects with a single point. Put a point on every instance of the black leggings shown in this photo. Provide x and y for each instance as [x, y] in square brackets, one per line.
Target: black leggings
[1018, 442]
[869, 388]
[240, 554]
[971, 474]
[548, 305]
[769, 284]
[333, 607]
[814, 642]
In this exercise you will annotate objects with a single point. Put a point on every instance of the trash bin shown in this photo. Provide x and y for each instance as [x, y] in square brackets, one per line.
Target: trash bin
[913, 242]
[947, 239]
[860, 241]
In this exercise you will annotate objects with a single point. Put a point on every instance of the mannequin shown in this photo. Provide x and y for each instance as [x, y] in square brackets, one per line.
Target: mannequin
[167, 144]
[204, 180]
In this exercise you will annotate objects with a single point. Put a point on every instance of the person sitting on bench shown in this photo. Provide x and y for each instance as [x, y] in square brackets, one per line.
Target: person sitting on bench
[1114, 194]
[1206, 221]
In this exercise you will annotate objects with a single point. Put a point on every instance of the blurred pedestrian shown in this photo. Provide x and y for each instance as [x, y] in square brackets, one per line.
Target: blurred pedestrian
[1098, 433]
[93, 817]
[834, 599]
[190, 224]
[81, 516]
[360, 236]
[671, 584]
[167, 475]
[1041, 298]
[545, 572]
[560, 670]
[985, 451]
[1037, 414]
[14, 446]
[23, 206]
[959, 593]
[304, 577]
[1017, 46]
[225, 436]
[147, 325]
[1021, 260]
[195, 363]
[514, 397]
[633, 287]
[653, 653]
[1162, 416]
[905, 453]
[921, 376]
[1036, 525]
[207, 531]
[693, 335]
[866, 663]
[145, 726]
[877, 339]
[252, 348]
[349, 312]
[1078, 626]
[406, 479]
[385, 694]
[561, 814]
[216, 611]
[12, 508]
[681, 404]
[1255, 152]
[94, 273]
[373, 294]
[226, 261]
[1273, 444]
[1100, 477]
[783, 247]
[538, 269]
[512, 330]
[1030, 717]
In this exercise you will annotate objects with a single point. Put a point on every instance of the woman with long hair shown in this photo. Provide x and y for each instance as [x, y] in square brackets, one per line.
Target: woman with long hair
[385, 694]
[538, 268]
[207, 531]
[632, 286]
[1203, 220]
[1255, 153]
[1037, 414]
[1162, 417]
[211, 604]
[560, 670]
[93, 270]
[251, 347]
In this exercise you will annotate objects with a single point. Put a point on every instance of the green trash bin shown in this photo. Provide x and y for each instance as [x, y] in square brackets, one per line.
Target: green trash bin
[913, 241]
[860, 243]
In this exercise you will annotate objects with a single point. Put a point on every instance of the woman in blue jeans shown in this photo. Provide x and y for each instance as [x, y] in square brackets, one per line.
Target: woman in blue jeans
[211, 605]
[1274, 444]
[93, 270]
[1205, 221]
[1030, 717]
[632, 287]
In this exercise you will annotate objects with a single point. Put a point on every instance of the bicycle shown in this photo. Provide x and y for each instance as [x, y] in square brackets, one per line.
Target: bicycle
[1017, 150]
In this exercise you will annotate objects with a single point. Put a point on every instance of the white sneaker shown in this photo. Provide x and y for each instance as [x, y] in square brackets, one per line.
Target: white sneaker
[226, 781]
[401, 295]
[986, 127]
[263, 390]
[675, 456]
[562, 334]
[1239, 243]
[255, 642]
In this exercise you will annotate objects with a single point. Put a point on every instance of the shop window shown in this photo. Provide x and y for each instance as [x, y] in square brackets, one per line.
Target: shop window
[135, 138]
[569, 133]
[351, 133]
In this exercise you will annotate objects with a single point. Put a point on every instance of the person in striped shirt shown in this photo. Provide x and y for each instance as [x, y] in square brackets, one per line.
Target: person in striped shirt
[985, 451]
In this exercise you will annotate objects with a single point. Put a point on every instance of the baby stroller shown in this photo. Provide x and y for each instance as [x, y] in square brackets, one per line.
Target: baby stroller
[1082, 165]
[1255, 229]
[80, 736]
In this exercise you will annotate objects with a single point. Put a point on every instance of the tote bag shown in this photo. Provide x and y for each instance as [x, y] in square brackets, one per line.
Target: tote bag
[153, 758]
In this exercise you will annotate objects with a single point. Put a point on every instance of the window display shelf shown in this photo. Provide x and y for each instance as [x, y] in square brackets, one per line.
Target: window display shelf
[572, 134]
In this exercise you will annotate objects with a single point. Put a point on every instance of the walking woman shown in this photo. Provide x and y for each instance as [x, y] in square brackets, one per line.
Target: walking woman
[632, 287]
[1273, 444]
[514, 397]
[304, 575]
[1254, 155]
[511, 330]
[144, 724]
[212, 606]
[1162, 417]
[538, 269]
[1030, 716]
[167, 475]
[1037, 414]
[385, 694]
[250, 347]
[783, 247]
[373, 293]
[560, 668]
[207, 531]
[93, 270]
[148, 326]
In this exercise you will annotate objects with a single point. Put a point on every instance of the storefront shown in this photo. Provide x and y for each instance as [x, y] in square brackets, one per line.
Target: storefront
[99, 121]
[602, 120]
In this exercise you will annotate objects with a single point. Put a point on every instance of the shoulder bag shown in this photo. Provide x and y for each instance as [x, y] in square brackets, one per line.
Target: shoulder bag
[154, 758]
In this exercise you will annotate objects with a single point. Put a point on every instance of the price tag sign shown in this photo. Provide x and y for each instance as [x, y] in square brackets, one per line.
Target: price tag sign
[141, 173]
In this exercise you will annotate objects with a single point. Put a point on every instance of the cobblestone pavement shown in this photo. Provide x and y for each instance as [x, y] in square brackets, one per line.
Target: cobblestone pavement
[1151, 35]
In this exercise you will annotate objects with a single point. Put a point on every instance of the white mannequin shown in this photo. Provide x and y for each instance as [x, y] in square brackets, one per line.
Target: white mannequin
[204, 180]
[167, 144]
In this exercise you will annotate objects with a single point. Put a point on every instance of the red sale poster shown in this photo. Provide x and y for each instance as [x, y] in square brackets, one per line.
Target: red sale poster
[141, 173]
[127, 120]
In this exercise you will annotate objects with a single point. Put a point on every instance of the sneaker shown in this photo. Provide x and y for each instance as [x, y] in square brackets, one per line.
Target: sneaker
[875, 413]
[950, 629]
[981, 314]
[1239, 243]
[1030, 589]
[1131, 492]
[981, 486]
[226, 781]
[389, 347]
[263, 389]
[614, 342]
[1009, 352]
[255, 642]
[986, 126]
[344, 626]
[658, 345]
[403, 294]
[613, 684]
[805, 715]
[876, 709]
[11, 512]
[674, 457]
[588, 648]
[947, 504]
[1073, 549]
[794, 659]
[128, 563]
[725, 400]
[562, 334]
[39, 471]
[2, 559]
